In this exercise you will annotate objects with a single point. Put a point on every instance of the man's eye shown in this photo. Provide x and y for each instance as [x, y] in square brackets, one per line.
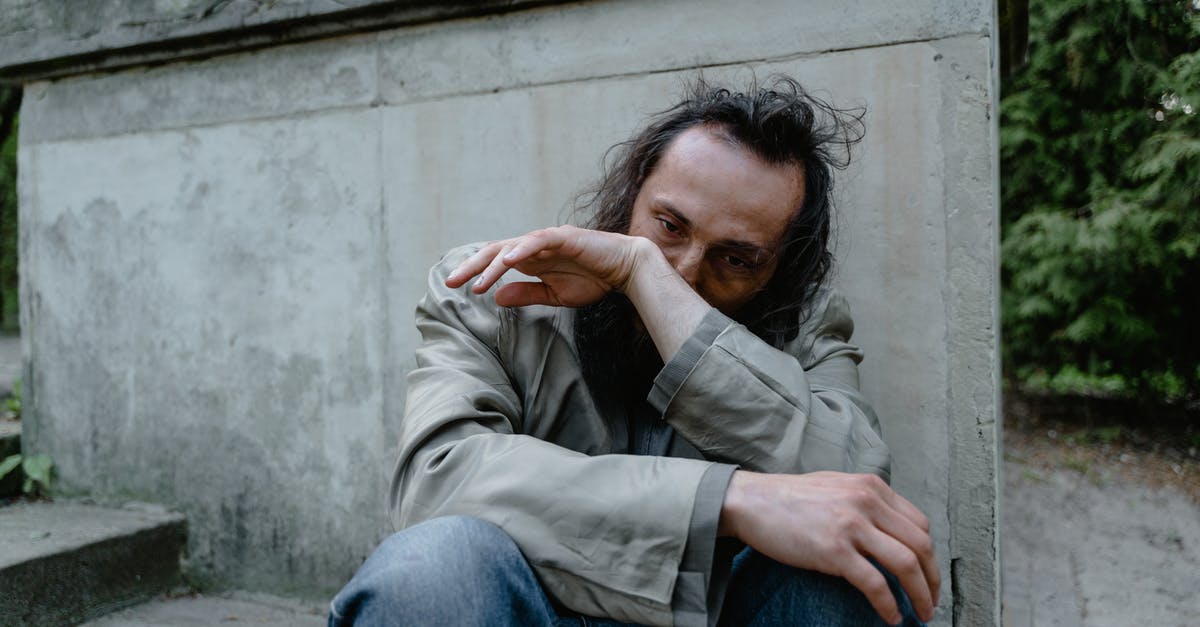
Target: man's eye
[738, 262]
[669, 226]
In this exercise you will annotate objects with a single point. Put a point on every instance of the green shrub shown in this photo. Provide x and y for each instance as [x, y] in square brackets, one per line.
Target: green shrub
[1100, 167]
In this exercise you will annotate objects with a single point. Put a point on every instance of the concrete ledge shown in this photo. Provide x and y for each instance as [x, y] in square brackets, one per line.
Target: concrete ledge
[64, 563]
[55, 38]
[45, 39]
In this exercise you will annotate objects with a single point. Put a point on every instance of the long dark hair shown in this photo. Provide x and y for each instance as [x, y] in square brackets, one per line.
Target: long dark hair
[780, 123]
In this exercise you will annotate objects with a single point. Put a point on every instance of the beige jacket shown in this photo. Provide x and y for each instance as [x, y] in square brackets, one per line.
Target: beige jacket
[499, 424]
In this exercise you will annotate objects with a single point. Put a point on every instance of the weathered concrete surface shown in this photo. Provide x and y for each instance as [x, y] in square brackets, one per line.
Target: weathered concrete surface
[1081, 555]
[235, 262]
[63, 562]
[234, 356]
[217, 610]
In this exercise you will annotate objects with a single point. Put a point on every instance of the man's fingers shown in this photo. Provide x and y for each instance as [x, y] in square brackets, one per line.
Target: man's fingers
[906, 566]
[494, 270]
[904, 522]
[915, 541]
[493, 260]
[899, 518]
[863, 575]
[474, 264]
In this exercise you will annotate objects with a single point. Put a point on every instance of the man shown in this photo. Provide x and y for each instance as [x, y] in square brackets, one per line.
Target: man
[666, 427]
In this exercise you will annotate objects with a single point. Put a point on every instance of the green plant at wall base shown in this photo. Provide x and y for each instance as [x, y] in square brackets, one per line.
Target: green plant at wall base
[1100, 172]
[38, 471]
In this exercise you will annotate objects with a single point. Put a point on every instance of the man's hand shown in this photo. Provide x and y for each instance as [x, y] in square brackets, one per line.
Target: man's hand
[577, 266]
[832, 522]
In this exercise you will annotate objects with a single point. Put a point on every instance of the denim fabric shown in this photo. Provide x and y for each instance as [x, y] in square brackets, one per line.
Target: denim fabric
[763, 592]
[461, 571]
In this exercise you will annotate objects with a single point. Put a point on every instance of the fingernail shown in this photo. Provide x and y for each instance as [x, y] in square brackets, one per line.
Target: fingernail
[478, 282]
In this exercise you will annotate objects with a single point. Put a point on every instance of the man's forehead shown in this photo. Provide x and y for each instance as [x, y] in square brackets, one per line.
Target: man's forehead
[709, 180]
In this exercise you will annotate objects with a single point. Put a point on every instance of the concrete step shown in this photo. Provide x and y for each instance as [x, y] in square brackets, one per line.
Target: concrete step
[65, 562]
[218, 610]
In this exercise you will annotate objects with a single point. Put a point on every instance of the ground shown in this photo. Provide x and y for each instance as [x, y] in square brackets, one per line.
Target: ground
[1100, 514]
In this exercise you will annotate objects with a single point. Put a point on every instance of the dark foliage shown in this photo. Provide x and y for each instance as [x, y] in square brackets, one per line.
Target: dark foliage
[1100, 162]
[10, 101]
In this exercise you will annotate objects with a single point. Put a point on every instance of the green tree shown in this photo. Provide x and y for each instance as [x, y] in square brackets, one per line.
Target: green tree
[10, 101]
[1100, 162]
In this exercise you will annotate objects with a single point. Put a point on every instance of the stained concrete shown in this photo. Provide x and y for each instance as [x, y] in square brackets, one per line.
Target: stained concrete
[234, 356]
[235, 260]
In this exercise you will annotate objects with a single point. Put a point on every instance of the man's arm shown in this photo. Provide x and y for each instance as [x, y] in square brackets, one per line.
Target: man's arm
[830, 522]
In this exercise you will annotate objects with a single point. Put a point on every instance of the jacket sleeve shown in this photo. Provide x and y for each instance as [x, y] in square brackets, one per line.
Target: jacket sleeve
[605, 534]
[739, 400]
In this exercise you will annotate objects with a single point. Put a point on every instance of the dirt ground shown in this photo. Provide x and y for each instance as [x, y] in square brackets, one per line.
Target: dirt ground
[1106, 441]
[1100, 514]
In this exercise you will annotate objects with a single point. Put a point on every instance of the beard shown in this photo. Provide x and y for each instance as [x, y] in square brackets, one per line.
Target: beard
[617, 355]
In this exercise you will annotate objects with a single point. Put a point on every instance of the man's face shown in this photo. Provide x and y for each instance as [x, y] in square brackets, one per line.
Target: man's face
[718, 213]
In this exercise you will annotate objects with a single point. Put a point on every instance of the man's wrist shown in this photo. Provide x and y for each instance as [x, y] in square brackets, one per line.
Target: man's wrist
[731, 508]
[646, 257]
[653, 281]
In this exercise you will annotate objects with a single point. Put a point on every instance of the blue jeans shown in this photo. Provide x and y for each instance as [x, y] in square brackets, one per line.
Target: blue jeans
[460, 571]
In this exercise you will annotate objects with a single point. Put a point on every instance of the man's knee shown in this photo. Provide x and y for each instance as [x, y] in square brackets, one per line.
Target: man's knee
[450, 545]
[438, 566]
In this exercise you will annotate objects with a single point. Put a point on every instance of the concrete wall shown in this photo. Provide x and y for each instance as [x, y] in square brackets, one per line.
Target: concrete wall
[221, 257]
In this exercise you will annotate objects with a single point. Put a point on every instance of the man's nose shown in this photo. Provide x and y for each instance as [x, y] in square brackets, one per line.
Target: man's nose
[688, 263]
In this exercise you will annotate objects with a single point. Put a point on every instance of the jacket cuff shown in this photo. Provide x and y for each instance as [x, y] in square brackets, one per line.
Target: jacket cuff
[700, 584]
[671, 378]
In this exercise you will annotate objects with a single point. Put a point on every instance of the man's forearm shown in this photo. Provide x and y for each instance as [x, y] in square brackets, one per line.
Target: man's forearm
[669, 308]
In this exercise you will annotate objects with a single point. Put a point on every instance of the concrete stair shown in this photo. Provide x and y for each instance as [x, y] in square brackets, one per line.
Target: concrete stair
[224, 609]
[69, 562]
[65, 562]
